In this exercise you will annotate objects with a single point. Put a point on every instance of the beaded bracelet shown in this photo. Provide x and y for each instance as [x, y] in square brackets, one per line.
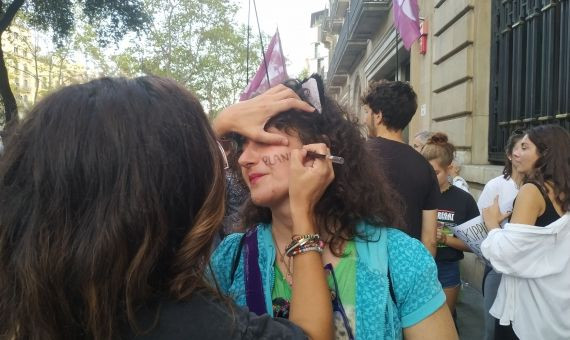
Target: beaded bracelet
[310, 246]
[299, 241]
[306, 249]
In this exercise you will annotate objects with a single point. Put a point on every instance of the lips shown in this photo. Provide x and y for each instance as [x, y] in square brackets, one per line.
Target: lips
[254, 178]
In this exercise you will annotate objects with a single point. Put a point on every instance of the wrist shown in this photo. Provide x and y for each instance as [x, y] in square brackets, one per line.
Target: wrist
[222, 124]
[303, 224]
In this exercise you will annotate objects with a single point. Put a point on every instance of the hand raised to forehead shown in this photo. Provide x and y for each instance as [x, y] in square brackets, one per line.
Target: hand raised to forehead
[248, 118]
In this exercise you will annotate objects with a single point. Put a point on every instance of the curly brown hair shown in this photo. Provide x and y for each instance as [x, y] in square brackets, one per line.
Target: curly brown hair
[553, 164]
[395, 99]
[358, 191]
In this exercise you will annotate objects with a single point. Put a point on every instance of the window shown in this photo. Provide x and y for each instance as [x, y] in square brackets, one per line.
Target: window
[530, 68]
[15, 50]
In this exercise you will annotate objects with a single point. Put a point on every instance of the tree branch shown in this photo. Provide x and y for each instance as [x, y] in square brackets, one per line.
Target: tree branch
[7, 18]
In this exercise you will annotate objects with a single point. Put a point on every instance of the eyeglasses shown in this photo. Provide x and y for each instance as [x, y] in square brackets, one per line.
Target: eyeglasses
[224, 157]
[517, 132]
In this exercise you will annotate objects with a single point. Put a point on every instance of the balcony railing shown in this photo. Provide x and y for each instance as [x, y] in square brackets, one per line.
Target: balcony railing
[361, 22]
[366, 16]
[338, 8]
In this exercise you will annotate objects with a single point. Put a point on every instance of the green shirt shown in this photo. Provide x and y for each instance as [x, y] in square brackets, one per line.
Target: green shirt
[345, 273]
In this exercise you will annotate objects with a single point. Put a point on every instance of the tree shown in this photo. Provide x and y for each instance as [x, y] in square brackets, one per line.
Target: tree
[197, 44]
[304, 73]
[110, 18]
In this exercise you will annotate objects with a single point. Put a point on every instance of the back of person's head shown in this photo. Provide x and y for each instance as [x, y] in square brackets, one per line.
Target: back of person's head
[420, 139]
[440, 149]
[358, 191]
[553, 163]
[396, 100]
[423, 136]
[514, 138]
[111, 192]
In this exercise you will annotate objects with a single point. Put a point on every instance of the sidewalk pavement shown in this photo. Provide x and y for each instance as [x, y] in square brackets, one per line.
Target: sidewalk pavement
[470, 323]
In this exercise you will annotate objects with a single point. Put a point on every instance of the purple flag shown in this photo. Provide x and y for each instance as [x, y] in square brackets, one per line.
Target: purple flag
[275, 69]
[407, 20]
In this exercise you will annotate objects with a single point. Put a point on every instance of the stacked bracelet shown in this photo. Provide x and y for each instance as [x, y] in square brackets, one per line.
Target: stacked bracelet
[303, 244]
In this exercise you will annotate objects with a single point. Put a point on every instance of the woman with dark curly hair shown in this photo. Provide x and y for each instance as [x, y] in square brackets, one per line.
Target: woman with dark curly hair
[110, 195]
[381, 280]
[531, 251]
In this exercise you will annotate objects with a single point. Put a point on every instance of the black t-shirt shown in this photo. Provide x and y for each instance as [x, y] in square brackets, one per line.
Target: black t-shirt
[455, 207]
[411, 176]
[206, 317]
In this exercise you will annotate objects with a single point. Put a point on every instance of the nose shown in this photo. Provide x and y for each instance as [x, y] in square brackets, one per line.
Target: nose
[249, 156]
[516, 153]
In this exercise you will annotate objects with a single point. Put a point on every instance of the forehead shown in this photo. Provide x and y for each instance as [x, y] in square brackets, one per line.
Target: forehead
[525, 140]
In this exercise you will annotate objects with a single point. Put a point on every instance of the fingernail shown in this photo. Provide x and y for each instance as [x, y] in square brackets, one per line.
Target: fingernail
[285, 141]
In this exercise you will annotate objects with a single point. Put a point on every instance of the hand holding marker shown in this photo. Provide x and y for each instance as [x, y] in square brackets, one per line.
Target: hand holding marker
[334, 159]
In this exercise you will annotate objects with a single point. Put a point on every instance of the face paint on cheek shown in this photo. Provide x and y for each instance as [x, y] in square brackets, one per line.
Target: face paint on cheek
[276, 158]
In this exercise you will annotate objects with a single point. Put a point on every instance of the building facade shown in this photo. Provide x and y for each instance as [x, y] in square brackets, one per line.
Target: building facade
[489, 67]
[34, 69]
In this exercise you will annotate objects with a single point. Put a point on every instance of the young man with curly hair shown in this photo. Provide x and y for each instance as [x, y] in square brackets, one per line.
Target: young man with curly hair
[390, 105]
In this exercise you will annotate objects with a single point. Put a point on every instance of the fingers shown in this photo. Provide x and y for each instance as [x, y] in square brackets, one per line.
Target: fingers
[318, 148]
[292, 103]
[505, 215]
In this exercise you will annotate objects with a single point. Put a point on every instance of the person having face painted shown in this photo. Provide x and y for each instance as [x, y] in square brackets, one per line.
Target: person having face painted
[382, 284]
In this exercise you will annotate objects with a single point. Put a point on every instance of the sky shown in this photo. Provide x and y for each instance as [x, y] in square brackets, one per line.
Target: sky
[293, 17]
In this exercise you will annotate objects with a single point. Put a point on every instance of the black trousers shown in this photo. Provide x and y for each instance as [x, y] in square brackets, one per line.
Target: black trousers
[504, 332]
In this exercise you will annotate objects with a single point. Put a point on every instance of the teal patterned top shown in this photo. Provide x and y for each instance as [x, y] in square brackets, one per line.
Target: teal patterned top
[412, 270]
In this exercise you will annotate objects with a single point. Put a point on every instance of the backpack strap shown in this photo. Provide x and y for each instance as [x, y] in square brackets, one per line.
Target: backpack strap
[254, 295]
[235, 262]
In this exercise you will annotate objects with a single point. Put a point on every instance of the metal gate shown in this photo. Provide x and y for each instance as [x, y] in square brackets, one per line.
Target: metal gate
[530, 68]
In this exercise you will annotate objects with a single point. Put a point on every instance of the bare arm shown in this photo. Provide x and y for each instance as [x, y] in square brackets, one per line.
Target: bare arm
[529, 205]
[311, 307]
[438, 326]
[456, 243]
[429, 230]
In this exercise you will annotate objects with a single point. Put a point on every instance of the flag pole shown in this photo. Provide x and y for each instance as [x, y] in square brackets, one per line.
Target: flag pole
[247, 58]
[397, 61]
[262, 48]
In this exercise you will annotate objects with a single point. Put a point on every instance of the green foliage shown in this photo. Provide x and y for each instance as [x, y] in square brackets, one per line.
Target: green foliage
[197, 44]
[304, 73]
[111, 19]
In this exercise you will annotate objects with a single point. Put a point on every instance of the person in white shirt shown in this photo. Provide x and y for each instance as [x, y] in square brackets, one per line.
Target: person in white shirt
[506, 186]
[533, 300]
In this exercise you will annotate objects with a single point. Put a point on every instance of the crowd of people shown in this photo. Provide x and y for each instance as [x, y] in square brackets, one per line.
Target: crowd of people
[126, 213]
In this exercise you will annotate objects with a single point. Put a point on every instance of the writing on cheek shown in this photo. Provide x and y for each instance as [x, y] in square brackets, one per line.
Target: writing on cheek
[272, 160]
